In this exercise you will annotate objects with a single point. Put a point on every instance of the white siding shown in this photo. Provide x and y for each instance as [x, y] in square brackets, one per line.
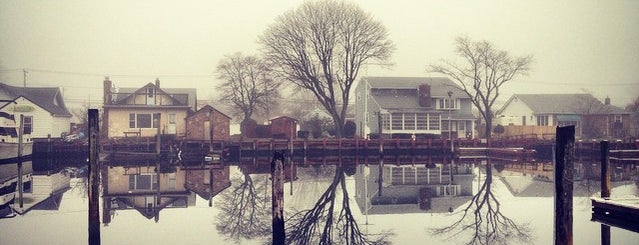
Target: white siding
[514, 111]
[43, 122]
[60, 125]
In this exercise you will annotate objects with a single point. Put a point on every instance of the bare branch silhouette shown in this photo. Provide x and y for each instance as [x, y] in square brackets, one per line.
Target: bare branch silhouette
[484, 218]
[323, 225]
[245, 210]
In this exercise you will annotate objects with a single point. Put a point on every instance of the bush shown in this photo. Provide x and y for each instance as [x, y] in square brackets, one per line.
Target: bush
[350, 128]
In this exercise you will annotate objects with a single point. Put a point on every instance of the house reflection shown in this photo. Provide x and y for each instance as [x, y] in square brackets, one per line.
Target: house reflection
[48, 183]
[150, 188]
[535, 179]
[412, 188]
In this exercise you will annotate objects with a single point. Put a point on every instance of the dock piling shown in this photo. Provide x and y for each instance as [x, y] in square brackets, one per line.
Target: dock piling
[564, 156]
[94, 185]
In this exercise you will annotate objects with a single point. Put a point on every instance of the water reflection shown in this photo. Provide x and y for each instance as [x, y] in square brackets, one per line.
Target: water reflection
[483, 218]
[469, 201]
[329, 220]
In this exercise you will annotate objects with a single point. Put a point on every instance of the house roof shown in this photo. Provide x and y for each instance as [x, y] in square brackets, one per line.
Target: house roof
[439, 86]
[283, 117]
[49, 98]
[209, 107]
[184, 96]
[564, 104]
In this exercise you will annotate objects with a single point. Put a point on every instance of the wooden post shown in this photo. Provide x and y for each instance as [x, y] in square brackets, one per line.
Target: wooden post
[564, 155]
[380, 177]
[158, 146]
[605, 186]
[20, 184]
[94, 185]
[277, 197]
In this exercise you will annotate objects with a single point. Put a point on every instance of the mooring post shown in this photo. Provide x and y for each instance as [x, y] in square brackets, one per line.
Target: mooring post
[605, 186]
[277, 197]
[564, 155]
[94, 167]
[20, 185]
[380, 176]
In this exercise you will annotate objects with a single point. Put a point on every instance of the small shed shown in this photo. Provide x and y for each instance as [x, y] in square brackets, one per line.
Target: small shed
[208, 123]
[283, 127]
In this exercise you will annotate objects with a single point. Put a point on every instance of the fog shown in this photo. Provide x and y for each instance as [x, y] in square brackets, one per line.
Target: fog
[578, 46]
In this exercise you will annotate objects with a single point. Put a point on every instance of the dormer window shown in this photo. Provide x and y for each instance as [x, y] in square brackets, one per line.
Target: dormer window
[447, 103]
[150, 92]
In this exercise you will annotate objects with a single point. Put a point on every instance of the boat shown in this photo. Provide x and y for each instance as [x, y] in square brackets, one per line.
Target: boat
[9, 139]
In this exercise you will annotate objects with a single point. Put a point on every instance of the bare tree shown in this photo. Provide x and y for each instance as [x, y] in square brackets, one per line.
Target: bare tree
[247, 85]
[324, 224]
[245, 210]
[633, 108]
[484, 70]
[486, 222]
[321, 46]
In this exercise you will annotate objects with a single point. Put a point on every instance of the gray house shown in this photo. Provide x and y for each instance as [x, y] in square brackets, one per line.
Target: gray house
[412, 105]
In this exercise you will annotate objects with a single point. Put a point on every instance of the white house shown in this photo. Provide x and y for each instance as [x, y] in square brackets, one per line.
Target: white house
[413, 105]
[43, 109]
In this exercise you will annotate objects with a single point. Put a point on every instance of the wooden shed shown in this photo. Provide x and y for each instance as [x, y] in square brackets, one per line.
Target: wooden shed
[283, 127]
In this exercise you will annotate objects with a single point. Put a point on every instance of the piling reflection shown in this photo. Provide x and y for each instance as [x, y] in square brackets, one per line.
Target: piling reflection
[483, 218]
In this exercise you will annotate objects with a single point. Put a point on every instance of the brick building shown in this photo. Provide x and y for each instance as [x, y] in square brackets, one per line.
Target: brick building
[208, 123]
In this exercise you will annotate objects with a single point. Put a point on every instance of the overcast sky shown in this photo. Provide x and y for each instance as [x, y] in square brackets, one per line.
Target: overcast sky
[578, 46]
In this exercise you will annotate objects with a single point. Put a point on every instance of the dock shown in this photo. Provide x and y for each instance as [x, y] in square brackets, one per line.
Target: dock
[618, 212]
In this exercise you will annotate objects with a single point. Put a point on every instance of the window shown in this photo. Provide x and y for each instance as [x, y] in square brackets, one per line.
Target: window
[542, 120]
[386, 121]
[144, 120]
[132, 120]
[433, 122]
[422, 121]
[27, 124]
[447, 103]
[409, 121]
[617, 118]
[143, 182]
[396, 121]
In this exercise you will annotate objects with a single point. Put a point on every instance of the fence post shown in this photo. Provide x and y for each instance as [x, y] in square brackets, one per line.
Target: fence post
[564, 155]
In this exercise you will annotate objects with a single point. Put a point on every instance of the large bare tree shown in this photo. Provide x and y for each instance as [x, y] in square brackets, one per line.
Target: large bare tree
[482, 73]
[321, 46]
[247, 85]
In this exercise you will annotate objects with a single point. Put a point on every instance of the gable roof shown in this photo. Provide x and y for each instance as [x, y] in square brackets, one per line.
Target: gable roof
[184, 96]
[439, 86]
[209, 108]
[48, 98]
[564, 104]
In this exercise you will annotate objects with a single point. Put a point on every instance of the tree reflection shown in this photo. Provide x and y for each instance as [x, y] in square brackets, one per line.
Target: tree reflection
[485, 219]
[324, 224]
[245, 209]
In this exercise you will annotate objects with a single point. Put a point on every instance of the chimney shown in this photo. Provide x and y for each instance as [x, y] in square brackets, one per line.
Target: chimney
[108, 96]
[157, 82]
[424, 95]
[607, 100]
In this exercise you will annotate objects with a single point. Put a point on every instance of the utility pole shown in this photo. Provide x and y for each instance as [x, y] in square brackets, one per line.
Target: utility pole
[24, 77]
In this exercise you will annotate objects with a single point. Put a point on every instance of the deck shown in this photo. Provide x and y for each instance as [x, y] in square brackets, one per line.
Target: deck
[618, 212]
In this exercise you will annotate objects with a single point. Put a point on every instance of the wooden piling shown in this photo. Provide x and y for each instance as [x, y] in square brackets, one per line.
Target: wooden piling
[605, 186]
[564, 155]
[94, 185]
[277, 197]
[380, 177]
[20, 184]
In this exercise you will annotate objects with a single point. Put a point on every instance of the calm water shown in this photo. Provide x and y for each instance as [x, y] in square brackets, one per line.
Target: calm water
[487, 202]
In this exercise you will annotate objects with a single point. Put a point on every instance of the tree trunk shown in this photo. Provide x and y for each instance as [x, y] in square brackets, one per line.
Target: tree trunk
[489, 127]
